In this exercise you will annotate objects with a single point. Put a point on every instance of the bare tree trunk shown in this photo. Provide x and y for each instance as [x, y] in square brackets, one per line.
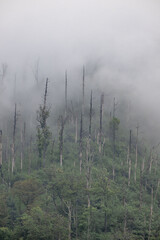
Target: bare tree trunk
[125, 218]
[157, 189]
[76, 129]
[151, 213]
[3, 72]
[90, 116]
[83, 90]
[100, 124]
[135, 175]
[80, 143]
[129, 157]
[151, 161]
[0, 148]
[66, 105]
[22, 148]
[69, 220]
[13, 156]
[35, 71]
[14, 135]
[114, 137]
[88, 176]
[29, 155]
[141, 190]
[61, 140]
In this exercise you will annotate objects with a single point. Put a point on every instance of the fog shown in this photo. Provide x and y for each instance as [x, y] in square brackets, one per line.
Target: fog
[118, 42]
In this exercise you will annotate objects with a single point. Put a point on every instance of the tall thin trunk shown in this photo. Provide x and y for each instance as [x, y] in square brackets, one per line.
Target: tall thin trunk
[101, 123]
[61, 140]
[30, 155]
[129, 157]
[66, 85]
[140, 190]
[158, 184]
[90, 116]
[0, 148]
[151, 214]
[151, 160]
[125, 217]
[80, 143]
[14, 135]
[135, 174]
[45, 119]
[88, 177]
[83, 90]
[114, 137]
[69, 220]
[76, 129]
[22, 147]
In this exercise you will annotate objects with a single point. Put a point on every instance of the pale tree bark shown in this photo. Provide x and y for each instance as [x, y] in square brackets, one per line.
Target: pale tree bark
[151, 214]
[90, 116]
[81, 143]
[83, 90]
[35, 71]
[22, 147]
[0, 148]
[151, 160]
[101, 122]
[76, 129]
[129, 158]
[30, 155]
[114, 138]
[135, 174]
[88, 183]
[62, 122]
[14, 135]
[125, 218]
[158, 184]
[66, 91]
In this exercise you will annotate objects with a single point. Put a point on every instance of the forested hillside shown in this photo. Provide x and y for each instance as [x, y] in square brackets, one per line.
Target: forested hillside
[79, 173]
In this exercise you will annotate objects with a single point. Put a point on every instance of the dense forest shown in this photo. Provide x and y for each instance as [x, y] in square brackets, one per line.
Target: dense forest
[80, 172]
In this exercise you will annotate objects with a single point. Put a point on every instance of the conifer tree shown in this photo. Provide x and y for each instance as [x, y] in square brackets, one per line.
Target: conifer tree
[43, 132]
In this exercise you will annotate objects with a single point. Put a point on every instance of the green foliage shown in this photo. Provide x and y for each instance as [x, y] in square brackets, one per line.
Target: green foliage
[114, 123]
[54, 202]
[5, 233]
[27, 191]
[40, 225]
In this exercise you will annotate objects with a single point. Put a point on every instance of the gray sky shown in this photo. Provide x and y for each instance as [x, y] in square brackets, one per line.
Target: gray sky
[75, 31]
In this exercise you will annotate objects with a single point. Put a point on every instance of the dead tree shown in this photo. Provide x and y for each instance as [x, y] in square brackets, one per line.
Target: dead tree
[135, 174]
[0, 149]
[76, 129]
[125, 217]
[62, 123]
[66, 85]
[90, 116]
[3, 71]
[129, 157]
[29, 155]
[83, 90]
[14, 136]
[101, 121]
[22, 145]
[81, 143]
[151, 160]
[114, 123]
[35, 71]
[88, 185]
[151, 214]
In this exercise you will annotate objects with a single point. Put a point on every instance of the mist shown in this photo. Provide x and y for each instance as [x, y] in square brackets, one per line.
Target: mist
[117, 42]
